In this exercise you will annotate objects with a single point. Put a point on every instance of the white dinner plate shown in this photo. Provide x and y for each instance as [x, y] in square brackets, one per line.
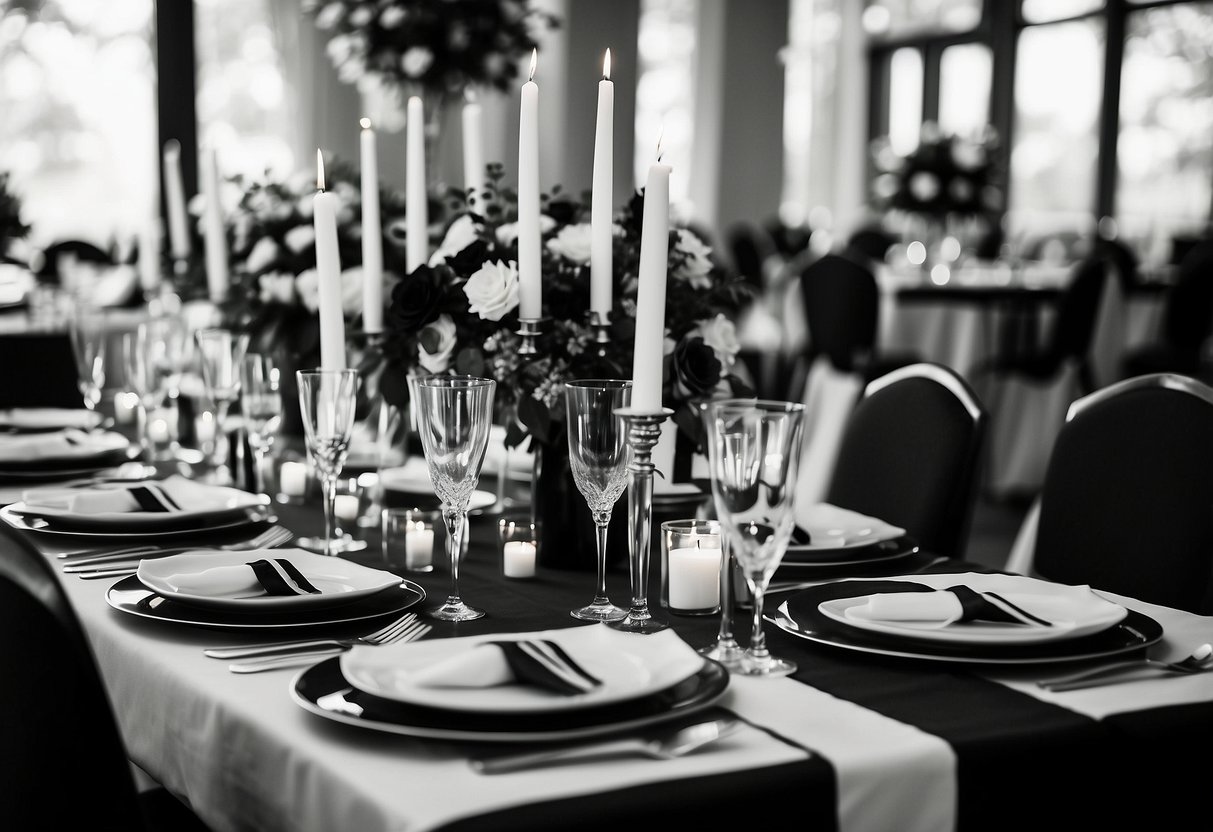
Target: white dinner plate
[831, 528]
[408, 479]
[198, 502]
[48, 418]
[629, 666]
[193, 527]
[339, 581]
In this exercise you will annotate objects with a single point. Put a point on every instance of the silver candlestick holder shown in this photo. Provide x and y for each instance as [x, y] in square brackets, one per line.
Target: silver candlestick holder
[644, 429]
[530, 329]
[600, 322]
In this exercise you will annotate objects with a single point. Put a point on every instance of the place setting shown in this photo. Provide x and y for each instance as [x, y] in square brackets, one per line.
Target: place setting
[980, 618]
[65, 451]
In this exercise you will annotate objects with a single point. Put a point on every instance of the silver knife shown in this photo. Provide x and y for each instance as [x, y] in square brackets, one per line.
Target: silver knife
[278, 662]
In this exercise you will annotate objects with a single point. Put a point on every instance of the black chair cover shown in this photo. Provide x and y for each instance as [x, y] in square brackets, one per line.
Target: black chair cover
[37, 369]
[1187, 320]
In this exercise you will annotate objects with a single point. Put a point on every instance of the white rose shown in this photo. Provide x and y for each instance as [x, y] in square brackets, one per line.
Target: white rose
[391, 17]
[924, 186]
[493, 290]
[351, 291]
[436, 344]
[361, 16]
[329, 16]
[262, 256]
[276, 287]
[508, 232]
[416, 61]
[300, 237]
[338, 49]
[462, 233]
[720, 334]
[352, 70]
[304, 205]
[307, 284]
[698, 262]
[573, 243]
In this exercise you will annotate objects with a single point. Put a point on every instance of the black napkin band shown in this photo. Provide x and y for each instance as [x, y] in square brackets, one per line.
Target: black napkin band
[990, 606]
[155, 500]
[546, 665]
[281, 577]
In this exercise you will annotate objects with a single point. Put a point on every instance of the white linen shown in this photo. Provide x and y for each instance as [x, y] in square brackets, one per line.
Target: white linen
[115, 497]
[942, 607]
[829, 398]
[71, 443]
[28, 418]
[235, 581]
[86, 501]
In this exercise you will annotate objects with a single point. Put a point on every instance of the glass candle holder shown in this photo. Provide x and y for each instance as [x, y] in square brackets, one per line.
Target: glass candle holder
[690, 566]
[409, 538]
[519, 544]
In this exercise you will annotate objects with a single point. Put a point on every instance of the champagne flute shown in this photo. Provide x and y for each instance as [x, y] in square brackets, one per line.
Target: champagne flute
[599, 454]
[141, 378]
[261, 407]
[455, 415]
[88, 348]
[327, 399]
[755, 448]
[220, 352]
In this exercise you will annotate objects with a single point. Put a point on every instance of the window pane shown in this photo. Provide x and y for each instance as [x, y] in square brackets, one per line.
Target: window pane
[964, 88]
[77, 117]
[242, 95]
[905, 100]
[1042, 11]
[1058, 85]
[1164, 156]
[893, 18]
[665, 90]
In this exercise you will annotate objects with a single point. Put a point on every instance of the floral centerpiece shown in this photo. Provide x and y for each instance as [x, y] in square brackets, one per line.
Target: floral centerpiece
[11, 226]
[945, 175]
[438, 47]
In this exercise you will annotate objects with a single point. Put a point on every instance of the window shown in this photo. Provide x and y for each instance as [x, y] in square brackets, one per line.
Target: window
[665, 90]
[964, 88]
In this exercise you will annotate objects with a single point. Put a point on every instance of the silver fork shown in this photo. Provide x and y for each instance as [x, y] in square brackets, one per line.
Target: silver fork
[113, 566]
[410, 632]
[385, 635]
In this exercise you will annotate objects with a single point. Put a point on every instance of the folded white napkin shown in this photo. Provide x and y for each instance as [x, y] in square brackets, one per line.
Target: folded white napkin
[961, 604]
[172, 494]
[69, 443]
[49, 417]
[539, 663]
[265, 573]
[828, 525]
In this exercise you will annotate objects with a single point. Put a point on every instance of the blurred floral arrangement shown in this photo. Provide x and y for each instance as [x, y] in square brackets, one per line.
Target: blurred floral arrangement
[438, 46]
[11, 227]
[459, 313]
[945, 175]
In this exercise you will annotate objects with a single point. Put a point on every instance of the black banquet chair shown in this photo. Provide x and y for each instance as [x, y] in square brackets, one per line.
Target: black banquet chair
[1127, 502]
[62, 761]
[1187, 320]
[911, 453]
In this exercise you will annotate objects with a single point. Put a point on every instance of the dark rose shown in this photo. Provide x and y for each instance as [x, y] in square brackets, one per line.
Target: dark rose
[563, 210]
[415, 300]
[696, 369]
[470, 259]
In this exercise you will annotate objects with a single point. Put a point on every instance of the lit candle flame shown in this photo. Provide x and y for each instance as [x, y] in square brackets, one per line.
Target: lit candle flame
[660, 139]
[534, 60]
[319, 170]
[469, 95]
[606, 66]
[366, 123]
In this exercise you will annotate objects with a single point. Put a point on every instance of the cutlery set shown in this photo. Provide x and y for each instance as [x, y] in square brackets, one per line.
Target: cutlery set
[122, 562]
[1199, 661]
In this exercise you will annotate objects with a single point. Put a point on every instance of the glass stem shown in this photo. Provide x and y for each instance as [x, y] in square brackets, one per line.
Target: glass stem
[454, 545]
[725, 635]
[758, 640]
[602, 519]
[328, 482]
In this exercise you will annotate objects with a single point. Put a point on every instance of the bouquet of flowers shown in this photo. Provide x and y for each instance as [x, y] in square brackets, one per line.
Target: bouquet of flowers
[11, 227]
[459, 313]
[441, 46]
[945, 175]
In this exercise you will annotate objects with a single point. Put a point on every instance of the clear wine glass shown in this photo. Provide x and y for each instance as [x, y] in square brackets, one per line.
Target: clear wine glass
[88, 347]
[141, 378]
[754, 448]
[261, 407]
[455, 415]
[219, 354]
[327, 399]
[599, 454]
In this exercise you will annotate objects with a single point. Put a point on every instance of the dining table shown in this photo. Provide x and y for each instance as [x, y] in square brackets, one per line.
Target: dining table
[855, 739]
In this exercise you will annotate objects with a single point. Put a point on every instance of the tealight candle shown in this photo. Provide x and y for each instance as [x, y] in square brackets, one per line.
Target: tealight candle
[345, 507]
[518, 559]
[418, 546]
[159, 426]
[125, 406]
[694, 573]
[204, 427]
[292, 479]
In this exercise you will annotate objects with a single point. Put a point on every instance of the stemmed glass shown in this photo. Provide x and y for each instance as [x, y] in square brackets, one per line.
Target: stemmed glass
[327, 399]
[455, 415]
[725, 648]
[261, 407]
[88, 347]
[754, 448]
[141, 377]
[599, 454]
[219, 353]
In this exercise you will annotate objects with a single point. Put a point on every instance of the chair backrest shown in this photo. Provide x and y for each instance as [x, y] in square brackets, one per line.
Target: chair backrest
[1127, 501]
[1188, 314]
[1077, 312]
[750, 247]
[38, 369]
[61, 749]
[872, 242]
[911, 455]
[841, 304]
[1118, 253]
